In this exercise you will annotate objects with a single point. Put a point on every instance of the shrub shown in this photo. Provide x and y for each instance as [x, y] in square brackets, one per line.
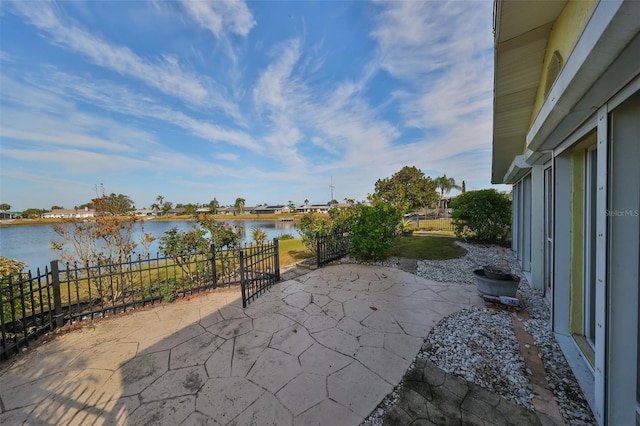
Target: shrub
[221, 235]
[258, 235]
[285, 237]
[483, 215]
[11, 275]
[373, 229]
[313, 225]
[405, 225]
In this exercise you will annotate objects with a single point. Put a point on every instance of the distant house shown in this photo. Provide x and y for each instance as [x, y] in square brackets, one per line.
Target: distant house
[276, 209]
[313, 208]
[70, 214]
[9, 215]
[147, 212]
[226, 210]
[230, 210]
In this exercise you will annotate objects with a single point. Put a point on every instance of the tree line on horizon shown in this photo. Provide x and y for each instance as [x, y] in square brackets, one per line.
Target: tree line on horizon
[409, 188]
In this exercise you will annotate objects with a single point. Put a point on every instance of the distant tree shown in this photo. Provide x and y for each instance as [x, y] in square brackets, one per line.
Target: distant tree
[57, 207]
[166, 207]
[239, 204]
[190, 209]
[5, 207]
[32, 213]
[408, 189]
[349, 201]
[155, 206]
[160, 200]
[108, 240]
[214, 206]
[463, 187]
[179, 206]
[332, 202]
[444, 185]
[114, 204]
[89, 206]
[306, 201]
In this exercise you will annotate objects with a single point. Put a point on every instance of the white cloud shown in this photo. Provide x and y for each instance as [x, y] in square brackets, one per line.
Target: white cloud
[76, 161]
[277, 86]
[165, 74]
[80, 140]
[111, 97]
[227, 156]
[441, 53]
[221, 17]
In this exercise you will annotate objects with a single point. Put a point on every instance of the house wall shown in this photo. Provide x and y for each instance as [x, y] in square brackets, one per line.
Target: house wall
[624, 254]
[592, 114]
[565, 33]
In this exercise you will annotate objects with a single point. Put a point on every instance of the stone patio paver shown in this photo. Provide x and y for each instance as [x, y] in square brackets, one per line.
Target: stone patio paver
[321, 348]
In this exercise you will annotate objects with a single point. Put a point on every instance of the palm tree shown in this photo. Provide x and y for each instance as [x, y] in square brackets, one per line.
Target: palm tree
[160, 200]
[214, 206]
[239, 205]
[444, 184]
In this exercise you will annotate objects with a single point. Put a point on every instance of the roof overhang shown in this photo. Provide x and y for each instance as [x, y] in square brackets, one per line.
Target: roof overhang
[604, 60]
[522, 30]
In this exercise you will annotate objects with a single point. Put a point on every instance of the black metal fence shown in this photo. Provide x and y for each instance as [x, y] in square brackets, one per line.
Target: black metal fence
[35, 303]
[333, 246]
[259, 270]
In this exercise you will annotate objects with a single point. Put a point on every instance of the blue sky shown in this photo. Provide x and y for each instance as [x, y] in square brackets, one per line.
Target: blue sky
[266, 100]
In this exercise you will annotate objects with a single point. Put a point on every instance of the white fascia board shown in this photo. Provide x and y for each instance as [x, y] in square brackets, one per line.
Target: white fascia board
[612, 26]
[517, 170]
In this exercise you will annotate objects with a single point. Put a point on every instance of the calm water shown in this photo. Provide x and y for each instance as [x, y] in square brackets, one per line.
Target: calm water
[32, 244]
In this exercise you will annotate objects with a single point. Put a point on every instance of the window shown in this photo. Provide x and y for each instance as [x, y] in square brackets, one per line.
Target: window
[590, 188]
[548, 231]
[553, 69]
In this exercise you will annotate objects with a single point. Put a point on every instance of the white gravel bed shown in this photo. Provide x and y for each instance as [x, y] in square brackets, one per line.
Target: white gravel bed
[567, 392]
[460, 270]
[480, 346]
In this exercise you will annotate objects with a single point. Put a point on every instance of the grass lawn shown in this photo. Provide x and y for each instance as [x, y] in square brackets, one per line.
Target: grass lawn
[292, 251]
[427, 247]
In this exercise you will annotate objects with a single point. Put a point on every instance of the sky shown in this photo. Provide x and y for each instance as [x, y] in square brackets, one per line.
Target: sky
[267, 101]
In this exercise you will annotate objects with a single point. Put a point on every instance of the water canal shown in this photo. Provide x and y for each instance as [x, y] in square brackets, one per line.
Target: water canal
[32, 243]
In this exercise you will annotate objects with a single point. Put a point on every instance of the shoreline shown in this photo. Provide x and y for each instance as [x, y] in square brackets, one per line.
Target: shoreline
[219, 217]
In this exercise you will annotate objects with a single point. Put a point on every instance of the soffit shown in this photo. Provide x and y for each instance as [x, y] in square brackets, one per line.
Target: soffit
[522, 32]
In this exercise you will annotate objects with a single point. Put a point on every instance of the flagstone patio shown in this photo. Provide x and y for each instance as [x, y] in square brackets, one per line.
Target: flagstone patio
[321, 349]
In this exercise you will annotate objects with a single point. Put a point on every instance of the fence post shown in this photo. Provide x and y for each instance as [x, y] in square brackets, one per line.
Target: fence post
[213, 266]
[318, 257]
[276, 258]
[57, 299]
[242, 283]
